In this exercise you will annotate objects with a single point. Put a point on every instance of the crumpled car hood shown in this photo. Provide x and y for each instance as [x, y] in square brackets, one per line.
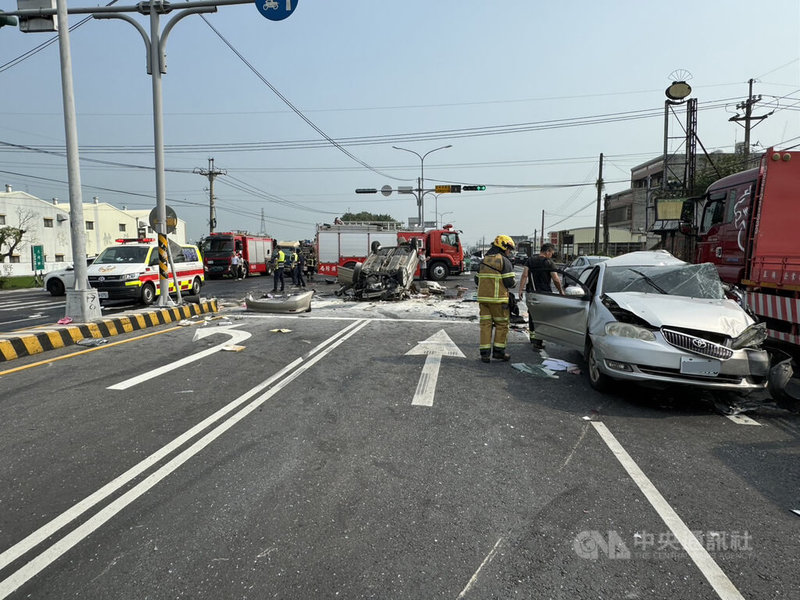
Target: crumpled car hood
[719, 316]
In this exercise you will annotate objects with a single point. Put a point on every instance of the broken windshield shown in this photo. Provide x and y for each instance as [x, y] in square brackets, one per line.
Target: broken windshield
[695, 281]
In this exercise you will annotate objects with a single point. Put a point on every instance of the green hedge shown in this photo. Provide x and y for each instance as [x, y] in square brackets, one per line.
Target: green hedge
[19, 283]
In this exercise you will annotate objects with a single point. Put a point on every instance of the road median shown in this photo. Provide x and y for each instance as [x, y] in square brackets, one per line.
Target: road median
[40, 339]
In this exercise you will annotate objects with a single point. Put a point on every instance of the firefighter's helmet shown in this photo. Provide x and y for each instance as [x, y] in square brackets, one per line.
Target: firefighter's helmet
[503, 242]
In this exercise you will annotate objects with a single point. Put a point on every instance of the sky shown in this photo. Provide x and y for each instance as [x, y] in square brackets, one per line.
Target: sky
[301, 112]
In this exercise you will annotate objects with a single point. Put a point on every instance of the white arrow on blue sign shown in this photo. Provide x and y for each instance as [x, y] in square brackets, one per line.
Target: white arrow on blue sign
[276, 10]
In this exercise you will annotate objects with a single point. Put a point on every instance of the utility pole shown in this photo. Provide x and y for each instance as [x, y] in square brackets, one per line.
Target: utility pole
[542, 244]
[597, 217]
[263, 223]
[212, 173]
[747, 107]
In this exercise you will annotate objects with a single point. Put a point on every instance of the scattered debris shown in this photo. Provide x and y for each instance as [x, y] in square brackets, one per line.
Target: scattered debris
[233, 348]
[281, 330]
[92, 342]
[64, 320]
[536, 370]
[556, 364]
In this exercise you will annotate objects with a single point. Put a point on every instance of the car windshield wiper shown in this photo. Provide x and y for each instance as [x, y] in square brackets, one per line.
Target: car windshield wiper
[650, 281]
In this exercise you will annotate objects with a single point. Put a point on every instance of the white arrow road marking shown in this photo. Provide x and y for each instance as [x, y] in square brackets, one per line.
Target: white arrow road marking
[436, 346]
[236, 337]
[742, 420]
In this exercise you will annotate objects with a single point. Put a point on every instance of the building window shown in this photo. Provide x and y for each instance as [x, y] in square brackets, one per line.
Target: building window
[48, 222]
[2, 219]
[59, 258]
[90, 225]
[122, 227]
[14, 258]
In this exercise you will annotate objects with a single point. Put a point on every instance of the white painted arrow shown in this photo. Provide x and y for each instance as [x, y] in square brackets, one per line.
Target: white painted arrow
[236, 337]
[436, 346]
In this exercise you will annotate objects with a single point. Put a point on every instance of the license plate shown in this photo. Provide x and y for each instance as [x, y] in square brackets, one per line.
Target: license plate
[706, 367]
[102, 295]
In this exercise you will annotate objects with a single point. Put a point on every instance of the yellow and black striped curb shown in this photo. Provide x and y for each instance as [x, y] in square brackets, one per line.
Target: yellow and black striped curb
[40, 339]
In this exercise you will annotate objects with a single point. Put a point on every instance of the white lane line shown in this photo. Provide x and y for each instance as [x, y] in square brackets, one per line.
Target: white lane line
[282, 377]
[710, 569]
[743, 420]
[486, 561]
[236, 336]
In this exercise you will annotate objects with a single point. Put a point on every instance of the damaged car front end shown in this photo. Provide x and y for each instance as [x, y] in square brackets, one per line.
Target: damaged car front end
[386, 274]
[650, 318]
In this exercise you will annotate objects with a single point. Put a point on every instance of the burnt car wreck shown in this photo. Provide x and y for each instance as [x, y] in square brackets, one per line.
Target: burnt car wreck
[386, 274]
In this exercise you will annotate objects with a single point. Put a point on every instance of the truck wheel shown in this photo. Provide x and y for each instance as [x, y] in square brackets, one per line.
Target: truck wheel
[55, 287]
[438, 271]
[148, 294]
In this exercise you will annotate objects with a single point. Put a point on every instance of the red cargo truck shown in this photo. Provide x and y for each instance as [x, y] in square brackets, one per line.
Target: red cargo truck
[218, 249]
[747, 225]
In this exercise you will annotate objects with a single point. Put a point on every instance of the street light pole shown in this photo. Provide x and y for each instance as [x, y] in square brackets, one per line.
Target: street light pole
[420, 190]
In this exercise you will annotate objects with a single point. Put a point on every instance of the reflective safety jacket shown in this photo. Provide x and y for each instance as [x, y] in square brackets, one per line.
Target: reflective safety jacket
[280, 258]
[495, 277]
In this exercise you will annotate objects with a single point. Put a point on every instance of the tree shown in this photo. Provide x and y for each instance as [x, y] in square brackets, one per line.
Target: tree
[11, 237]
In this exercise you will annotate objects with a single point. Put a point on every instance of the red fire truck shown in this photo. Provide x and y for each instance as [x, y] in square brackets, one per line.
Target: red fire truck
[218, 250]
[346, 244]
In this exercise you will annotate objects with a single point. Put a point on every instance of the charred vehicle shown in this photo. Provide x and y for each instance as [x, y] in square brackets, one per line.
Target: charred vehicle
[386, 274]
[650, 318]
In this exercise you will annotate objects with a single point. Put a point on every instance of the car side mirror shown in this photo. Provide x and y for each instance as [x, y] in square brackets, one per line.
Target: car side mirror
[574, 290]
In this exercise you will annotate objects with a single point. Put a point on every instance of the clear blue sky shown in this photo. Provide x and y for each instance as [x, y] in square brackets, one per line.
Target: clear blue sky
[452, 71]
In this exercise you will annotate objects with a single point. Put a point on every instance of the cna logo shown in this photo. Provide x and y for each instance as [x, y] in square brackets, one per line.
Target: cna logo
[592, 544]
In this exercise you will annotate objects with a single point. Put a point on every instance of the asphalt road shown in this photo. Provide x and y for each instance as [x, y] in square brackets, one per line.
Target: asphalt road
[304, 466]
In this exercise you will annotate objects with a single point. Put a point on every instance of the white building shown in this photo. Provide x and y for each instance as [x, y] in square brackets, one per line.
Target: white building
[47, 223]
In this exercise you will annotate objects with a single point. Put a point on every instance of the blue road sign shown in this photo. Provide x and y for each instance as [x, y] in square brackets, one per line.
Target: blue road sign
[276, 10]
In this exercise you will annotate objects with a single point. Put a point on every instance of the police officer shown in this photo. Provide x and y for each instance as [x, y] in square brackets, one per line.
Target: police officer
[280, 260]
[495, 278]
[293, 268]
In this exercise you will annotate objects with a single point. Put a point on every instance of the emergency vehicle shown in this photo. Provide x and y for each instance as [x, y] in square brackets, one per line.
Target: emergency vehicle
[219, 247]
[343, 245]
[129, 270]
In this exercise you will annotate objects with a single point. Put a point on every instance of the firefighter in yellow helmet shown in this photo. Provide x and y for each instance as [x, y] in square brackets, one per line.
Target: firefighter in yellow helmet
[495, 278]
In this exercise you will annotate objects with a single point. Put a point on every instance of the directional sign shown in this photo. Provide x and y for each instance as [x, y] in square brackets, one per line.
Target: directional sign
[158, 227]
[436, 346]
[276, 10]
[447, 189]
[37, 257]
[235, 335]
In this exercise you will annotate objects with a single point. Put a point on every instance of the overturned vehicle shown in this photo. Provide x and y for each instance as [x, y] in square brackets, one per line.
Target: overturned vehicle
[386, 274]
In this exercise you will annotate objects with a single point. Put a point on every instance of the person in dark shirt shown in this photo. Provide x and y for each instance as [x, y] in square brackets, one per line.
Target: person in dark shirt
[538, 275]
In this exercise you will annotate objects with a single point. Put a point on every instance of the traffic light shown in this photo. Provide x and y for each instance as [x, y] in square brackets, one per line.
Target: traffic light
[474, 188]
[4, 20]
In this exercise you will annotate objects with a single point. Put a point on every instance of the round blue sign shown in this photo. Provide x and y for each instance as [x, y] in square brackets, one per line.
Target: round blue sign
[276, 10]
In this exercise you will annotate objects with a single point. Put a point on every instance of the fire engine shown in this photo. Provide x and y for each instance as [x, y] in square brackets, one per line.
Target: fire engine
[344, 245]
[218, 249]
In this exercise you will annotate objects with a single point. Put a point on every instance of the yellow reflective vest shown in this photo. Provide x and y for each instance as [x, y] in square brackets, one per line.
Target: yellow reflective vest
[280, 258]
[495, 278]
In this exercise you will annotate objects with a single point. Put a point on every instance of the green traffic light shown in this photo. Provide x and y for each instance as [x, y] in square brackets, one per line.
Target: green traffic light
[474, 188]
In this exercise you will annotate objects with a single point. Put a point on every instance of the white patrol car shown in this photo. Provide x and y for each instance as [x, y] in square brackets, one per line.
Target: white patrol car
[129, 270]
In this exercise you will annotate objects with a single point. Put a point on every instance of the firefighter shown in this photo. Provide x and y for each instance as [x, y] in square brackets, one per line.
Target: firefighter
[280, 259]
[495, 278]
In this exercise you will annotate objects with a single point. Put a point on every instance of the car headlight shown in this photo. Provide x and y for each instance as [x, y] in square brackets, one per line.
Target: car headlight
[630, 331]
[750, 337]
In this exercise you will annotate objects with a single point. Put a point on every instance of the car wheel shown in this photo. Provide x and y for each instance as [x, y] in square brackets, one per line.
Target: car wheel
[148, 294]
[438, 271]
[55, 287]
[599, 381]
[196, 287]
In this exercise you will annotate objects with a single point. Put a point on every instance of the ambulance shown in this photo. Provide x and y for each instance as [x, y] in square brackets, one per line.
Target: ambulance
[129, 270]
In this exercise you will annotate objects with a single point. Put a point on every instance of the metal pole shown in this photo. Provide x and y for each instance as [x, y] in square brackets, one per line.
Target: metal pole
[158, 142]
[82, 301]
[597, 217]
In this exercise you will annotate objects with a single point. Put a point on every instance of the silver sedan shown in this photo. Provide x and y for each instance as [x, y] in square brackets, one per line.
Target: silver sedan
[651, 318]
